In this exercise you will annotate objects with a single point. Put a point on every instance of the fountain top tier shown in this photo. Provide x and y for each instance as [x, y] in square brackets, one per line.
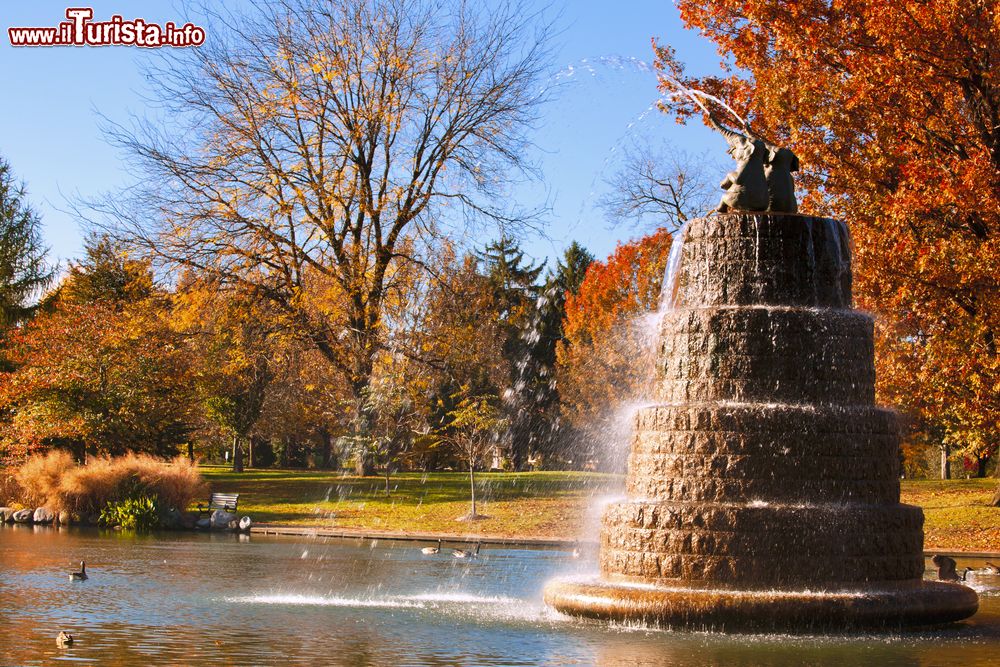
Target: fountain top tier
[765, 259]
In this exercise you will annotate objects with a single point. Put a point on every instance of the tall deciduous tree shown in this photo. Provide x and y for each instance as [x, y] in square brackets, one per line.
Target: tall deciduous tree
[894, 111]
[320, 141]
[233, 340]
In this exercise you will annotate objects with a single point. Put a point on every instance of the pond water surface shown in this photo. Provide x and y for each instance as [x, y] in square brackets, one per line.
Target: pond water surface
[199, 599]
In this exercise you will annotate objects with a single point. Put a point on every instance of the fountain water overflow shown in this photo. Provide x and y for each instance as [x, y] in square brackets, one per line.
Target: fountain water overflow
[763, 482]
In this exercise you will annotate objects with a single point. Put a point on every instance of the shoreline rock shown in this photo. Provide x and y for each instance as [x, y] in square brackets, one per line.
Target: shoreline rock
[24, 516]
[44, 516]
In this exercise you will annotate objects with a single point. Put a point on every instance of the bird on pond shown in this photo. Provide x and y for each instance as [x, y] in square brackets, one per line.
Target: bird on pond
[464, 553]
[945, 568]
[81, 575]
[432, 551]
[990, 570]
[64, 639]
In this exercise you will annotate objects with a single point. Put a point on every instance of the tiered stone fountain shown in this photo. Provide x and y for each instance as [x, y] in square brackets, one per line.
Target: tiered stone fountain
[763, 483]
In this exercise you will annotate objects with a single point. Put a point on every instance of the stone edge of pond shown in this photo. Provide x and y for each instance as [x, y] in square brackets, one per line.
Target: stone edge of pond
[448, 538]
[516, 542]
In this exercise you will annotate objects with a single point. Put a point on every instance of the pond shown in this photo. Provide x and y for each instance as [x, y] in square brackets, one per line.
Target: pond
[200, 599]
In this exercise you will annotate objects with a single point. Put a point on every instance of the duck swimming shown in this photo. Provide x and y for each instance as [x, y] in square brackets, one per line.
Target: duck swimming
[432, 551]
[81, 575]
[464, 553]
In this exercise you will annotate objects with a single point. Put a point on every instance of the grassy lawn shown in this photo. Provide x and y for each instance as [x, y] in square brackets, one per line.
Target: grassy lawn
[957, 514]
[543, 504]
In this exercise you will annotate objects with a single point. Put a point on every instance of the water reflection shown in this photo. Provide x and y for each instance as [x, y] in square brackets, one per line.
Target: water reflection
[184, 599]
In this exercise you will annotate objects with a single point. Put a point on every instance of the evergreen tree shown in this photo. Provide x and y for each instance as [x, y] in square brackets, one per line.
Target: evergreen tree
[511, 278]
[532, 401]
[23, 270]
[513, 283]
[572, 268]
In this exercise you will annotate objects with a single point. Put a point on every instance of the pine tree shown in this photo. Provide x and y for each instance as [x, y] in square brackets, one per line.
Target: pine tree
[572, 268]
[23, 269]
[513, 282]
[511, 277]
[532, 401]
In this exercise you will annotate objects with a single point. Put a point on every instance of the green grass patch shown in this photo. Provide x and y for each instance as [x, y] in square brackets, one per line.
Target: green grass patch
[537, 504]
[553, 505]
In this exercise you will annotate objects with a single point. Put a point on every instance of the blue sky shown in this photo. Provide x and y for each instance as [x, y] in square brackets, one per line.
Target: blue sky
[52, 137]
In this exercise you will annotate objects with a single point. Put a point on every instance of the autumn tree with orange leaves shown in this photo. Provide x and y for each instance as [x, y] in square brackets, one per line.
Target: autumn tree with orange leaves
[100, 370]
[600, 367]
[894, 111]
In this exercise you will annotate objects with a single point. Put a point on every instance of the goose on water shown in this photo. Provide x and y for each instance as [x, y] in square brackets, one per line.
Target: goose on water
[990, 570]
[81, 575]
[432, 551]
[464, 553]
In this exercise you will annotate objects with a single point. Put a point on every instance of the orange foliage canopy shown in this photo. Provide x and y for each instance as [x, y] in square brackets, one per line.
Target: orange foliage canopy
[894, 111]
[98, 380]
[600, 360]
[628, 283]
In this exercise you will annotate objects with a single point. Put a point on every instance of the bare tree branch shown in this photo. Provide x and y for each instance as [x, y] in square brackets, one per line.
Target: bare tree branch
[659, 187]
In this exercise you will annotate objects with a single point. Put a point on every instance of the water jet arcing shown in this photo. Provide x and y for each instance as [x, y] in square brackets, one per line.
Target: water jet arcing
[763, 486]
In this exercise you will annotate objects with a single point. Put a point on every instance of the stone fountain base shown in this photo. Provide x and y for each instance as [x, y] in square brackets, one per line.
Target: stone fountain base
[894, 605]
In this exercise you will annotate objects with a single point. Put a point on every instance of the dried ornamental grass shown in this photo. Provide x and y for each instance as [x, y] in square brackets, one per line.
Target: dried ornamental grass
[55, 481]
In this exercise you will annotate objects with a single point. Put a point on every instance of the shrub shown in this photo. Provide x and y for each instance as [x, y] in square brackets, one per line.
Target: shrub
[139, 513]
[40, 476]
[55, 481]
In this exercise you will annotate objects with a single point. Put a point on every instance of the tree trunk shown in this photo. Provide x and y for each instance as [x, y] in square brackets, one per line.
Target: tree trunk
[250, 452]
[472, 488]
[945, 462]
[190, 451]
[363, 466]
[79, 450]
[981, 462]
[326, 449]
[286, 443]
[237, 455]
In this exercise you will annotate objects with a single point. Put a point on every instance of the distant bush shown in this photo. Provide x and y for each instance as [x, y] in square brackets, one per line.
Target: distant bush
[55, 481]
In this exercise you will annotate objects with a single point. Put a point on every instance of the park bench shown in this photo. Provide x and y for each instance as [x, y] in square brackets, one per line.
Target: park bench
[220, 501]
